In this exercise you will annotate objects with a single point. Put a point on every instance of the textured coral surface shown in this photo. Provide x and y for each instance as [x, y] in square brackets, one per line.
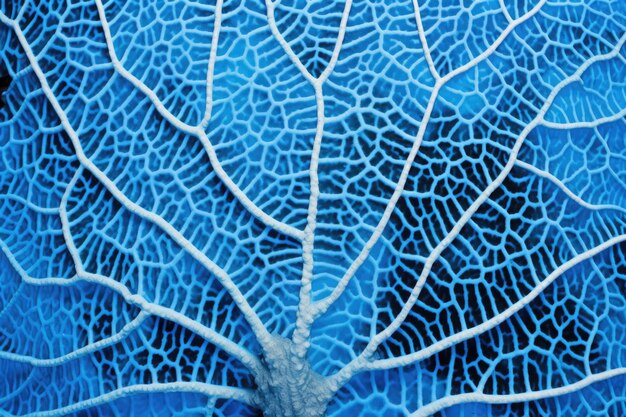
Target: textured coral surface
[313, 208]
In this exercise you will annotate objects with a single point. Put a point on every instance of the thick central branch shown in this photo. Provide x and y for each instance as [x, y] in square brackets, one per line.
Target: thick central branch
[288, 386]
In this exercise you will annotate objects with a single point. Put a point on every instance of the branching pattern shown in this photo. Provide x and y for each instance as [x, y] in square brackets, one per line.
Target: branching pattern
[312, 208]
